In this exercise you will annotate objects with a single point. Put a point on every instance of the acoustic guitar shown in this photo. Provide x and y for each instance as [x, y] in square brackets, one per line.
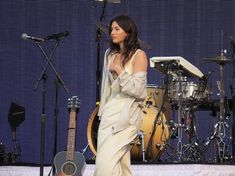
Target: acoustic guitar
[70, 162]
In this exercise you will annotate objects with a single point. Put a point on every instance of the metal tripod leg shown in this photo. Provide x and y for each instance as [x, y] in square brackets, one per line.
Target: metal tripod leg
[180, 116]
[142, 137]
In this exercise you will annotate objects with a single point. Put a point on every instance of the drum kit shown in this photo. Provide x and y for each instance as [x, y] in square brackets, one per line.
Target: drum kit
[157, 128]
[157, 131]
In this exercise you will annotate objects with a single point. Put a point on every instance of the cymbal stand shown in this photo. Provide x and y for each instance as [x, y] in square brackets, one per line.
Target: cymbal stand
[233, 98]
[221, 123]
[220, 127]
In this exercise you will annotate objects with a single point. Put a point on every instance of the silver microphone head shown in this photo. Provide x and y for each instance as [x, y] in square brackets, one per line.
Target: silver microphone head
[24, 36]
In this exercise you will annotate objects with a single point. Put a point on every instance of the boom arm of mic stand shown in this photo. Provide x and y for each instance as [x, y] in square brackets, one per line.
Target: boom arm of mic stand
[53, 68]
[45, 67]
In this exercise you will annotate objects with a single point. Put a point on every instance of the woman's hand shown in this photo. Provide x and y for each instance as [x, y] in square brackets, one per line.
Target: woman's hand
[117, 65]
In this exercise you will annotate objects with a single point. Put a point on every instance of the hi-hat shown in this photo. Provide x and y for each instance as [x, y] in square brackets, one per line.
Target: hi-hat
[218, 60]
[105, 29]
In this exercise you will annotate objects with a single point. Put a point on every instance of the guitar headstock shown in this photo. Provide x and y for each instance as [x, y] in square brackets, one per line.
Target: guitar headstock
[74, 103]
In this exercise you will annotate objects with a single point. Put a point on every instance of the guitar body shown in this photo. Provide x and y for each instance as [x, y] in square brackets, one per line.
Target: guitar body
[65, 167]
[70, 163]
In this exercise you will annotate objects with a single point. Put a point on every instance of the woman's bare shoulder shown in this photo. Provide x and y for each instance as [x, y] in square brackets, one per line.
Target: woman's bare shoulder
[140, 56]
[140, 61]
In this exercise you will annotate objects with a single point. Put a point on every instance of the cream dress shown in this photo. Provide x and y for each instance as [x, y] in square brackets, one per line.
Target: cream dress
[113, 149]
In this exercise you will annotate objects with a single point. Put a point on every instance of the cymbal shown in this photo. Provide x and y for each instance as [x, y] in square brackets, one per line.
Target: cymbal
[219, 60]
[105, 29]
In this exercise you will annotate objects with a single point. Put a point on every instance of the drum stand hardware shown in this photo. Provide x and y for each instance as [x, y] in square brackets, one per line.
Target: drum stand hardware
[139, 141]
[220, 126]
[182, 99]
[218, 136]
[180, 117]
[141, 135]
[190, 151]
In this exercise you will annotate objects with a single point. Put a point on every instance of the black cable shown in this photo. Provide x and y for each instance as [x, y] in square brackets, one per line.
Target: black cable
[148, 151]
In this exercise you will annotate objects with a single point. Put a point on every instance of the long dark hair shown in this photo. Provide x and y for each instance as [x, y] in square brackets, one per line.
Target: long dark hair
[131, 43]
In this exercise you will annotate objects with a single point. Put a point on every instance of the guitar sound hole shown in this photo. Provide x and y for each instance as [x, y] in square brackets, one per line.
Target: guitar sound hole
[69, 168]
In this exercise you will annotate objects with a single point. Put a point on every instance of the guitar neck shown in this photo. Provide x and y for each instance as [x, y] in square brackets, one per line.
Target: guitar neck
[71, 136]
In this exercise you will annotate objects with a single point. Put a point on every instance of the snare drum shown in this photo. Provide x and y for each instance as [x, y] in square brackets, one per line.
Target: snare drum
[190, 91]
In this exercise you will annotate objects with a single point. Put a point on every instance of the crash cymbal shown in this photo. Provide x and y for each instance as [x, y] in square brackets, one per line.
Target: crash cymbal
[105, 29]
[218, 60]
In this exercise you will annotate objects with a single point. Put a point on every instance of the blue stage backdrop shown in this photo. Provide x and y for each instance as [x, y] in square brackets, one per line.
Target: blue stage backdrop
[188, 28]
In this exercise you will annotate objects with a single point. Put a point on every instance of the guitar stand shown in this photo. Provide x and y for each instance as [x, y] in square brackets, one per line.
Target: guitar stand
[43, 77]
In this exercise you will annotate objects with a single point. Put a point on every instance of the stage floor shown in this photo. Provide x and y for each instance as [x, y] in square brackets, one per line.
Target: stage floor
[138, 170]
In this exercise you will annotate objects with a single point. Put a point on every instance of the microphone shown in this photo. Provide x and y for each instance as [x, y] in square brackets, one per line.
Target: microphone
[57, 36]
[25, 36]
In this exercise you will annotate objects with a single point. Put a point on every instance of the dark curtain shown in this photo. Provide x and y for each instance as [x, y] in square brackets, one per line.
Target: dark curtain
[188, 28]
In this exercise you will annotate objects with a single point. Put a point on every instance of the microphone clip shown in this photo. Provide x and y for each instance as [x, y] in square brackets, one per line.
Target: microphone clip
[57, 36]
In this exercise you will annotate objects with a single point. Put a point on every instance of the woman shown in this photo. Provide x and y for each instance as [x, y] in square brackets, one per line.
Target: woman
[123, 90]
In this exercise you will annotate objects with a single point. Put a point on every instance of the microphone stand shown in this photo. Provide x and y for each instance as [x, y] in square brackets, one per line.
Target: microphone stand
[43, 77]
[56, 111]
[233, 101]
[98, 72]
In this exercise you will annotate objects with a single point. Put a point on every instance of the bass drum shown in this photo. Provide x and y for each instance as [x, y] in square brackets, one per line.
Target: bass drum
[92, 130]
[152, 104]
